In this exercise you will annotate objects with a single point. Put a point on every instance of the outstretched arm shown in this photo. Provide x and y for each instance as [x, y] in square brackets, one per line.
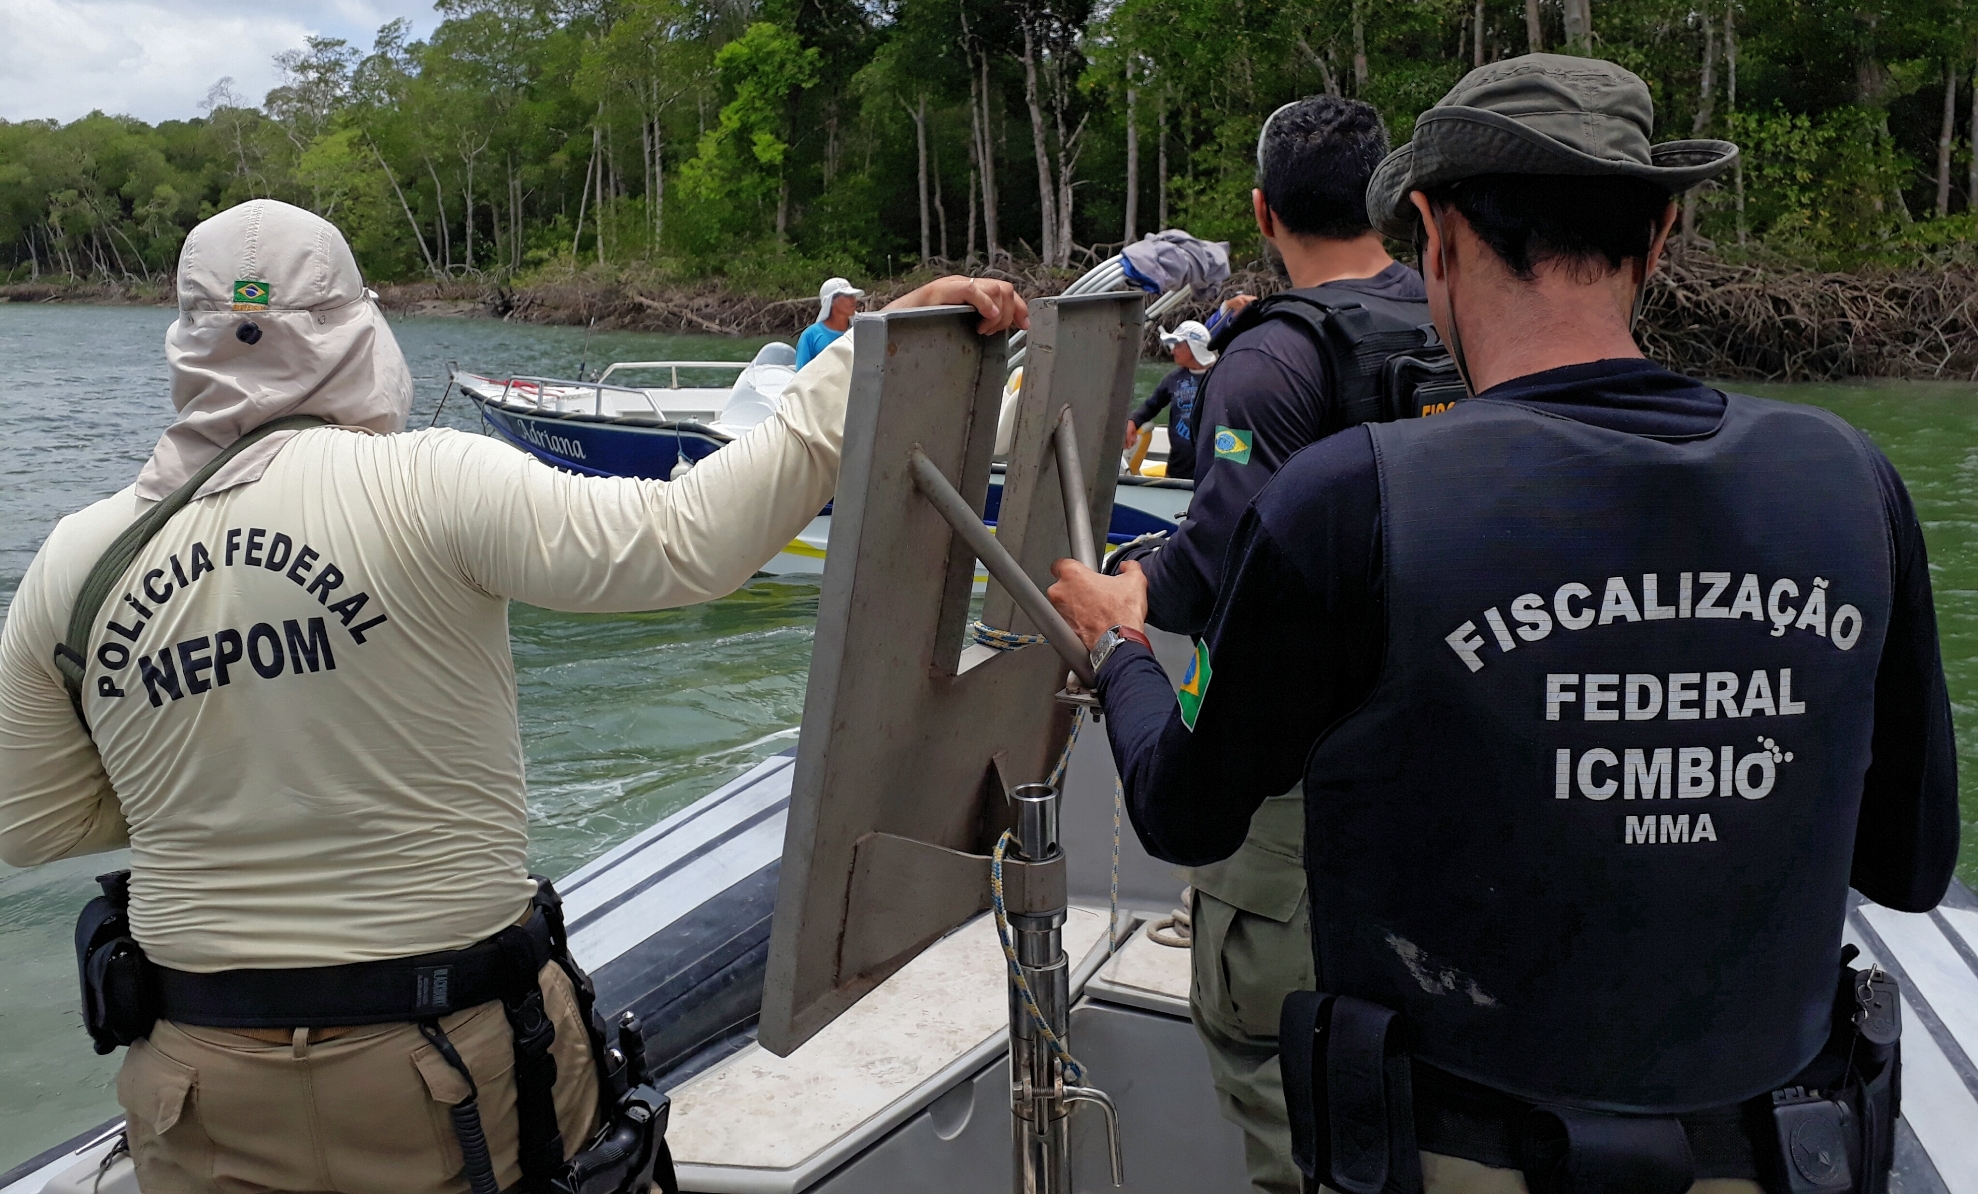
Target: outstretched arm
[521, 529]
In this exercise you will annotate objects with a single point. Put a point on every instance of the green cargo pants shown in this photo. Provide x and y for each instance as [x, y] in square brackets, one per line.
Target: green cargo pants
[1252, 947]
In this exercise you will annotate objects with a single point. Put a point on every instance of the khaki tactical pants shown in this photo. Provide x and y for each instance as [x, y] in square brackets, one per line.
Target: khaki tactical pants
[362, 1110]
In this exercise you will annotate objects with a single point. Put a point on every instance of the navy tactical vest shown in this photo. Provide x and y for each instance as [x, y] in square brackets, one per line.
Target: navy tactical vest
[1381, 356]
[1592, 831]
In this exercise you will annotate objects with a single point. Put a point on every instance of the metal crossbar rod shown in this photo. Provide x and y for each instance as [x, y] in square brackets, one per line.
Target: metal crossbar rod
[1071, 477]
[1008, 573]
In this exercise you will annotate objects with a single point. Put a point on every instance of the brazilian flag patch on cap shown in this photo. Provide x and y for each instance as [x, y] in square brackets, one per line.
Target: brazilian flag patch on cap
[250, 295]
[1194, 686]
[1233, 444]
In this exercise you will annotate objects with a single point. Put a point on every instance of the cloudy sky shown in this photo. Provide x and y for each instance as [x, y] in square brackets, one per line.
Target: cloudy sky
[156, 59]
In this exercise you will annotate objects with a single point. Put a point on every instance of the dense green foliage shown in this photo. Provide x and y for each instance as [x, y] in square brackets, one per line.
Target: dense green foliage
[766, 140]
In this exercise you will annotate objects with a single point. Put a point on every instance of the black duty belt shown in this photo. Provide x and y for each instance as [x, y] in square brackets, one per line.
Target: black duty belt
[392, 991]
[1462, 1119]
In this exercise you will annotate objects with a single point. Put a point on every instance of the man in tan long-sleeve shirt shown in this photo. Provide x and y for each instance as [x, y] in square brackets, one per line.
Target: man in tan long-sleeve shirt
[301, 704]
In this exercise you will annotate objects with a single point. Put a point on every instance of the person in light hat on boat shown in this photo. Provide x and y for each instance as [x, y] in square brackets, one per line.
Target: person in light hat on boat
[277, 668]
[1188, 344]
[837, 302]
[1603, 686]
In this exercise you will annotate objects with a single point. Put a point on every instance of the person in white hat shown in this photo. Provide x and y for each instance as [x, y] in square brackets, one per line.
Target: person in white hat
[1188, 344]
[837, 302]
[295, 704]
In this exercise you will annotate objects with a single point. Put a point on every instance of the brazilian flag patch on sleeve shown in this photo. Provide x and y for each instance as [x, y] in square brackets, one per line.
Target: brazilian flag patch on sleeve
[1194, 686]
[251, 295]
[1233, 444]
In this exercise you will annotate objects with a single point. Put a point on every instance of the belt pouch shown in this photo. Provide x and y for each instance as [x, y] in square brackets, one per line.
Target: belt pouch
[1301, 1045]
[1349, 1092]
[119, 993]
[1370, 1102]
[1569, 1151]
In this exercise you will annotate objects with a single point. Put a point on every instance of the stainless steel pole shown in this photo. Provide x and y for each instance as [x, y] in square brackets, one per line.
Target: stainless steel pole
[1071, 482]
[1039, 1119]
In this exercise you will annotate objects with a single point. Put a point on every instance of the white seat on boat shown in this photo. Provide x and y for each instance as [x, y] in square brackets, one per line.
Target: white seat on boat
[759, 388]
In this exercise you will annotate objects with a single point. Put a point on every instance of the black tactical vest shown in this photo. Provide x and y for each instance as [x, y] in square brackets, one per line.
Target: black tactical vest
[1381, 356]
[1592, 831]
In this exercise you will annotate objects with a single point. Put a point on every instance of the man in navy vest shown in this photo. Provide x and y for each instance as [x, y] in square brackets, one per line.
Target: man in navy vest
[1271, 394]
[1604, 687]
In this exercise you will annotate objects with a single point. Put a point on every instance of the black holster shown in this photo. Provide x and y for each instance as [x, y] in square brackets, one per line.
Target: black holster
[1348, 1087]
[629, 1153]
[1833, 1130]
[119, 986]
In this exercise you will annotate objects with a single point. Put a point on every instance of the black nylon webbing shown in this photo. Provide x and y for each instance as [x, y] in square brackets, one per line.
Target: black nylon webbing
[1461, 1119]
[397, 990]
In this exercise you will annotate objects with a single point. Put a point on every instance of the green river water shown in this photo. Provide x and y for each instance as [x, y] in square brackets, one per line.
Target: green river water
[624, 718]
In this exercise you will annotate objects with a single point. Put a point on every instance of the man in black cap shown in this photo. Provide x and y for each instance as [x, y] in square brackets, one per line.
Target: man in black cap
[1604, 687]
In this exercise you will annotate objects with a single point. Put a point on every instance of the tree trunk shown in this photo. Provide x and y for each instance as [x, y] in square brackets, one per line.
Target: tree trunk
[1971, 183]
[1534, 30]
[417, 233]
[659, 184]
[986, 159]
[645, 176]
[919, 114]
[1047, 207]
[1132, 155]
[1705, 110]
[968, 244]
[940, 209]
[1068, 149]
[1360, 47]
[1944, 138]
[1161, 166]
[445, 234]
[1067, 153]
[1477, 51]
[1731, 104]
[467, 227]
[830, 143]
[1579, 26]
[590, 169]
[603, 160]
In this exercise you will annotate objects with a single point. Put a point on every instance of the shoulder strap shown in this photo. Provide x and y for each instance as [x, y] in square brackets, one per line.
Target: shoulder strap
[72, 654]
[1357, 337]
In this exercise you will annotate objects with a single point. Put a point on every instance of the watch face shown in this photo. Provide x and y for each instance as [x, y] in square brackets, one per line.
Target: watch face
[1104, 647]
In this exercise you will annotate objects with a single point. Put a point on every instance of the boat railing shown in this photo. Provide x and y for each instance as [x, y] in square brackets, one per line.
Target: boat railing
[673, 368]
[537, 390]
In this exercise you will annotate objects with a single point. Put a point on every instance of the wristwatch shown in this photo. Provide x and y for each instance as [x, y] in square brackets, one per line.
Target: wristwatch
[1110, 641]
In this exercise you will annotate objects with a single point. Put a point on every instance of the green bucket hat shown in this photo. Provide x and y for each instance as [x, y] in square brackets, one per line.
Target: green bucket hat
[1537, 114]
